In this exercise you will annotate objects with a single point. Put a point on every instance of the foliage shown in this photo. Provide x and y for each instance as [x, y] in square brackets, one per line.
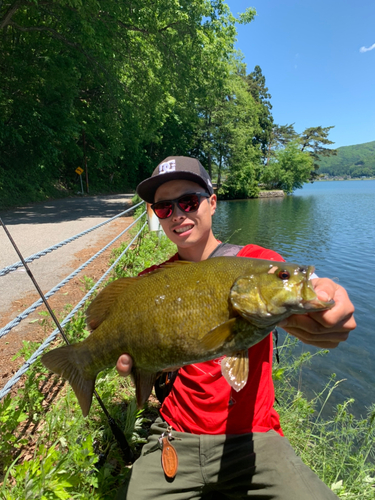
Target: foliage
[282, 135]
[107, 87]
[258, 90]
[233, 122]
[151, 248]
[354, 161]
[313, 140]
[339, 448]
[49, 451]
[289, 169]
[114, 89]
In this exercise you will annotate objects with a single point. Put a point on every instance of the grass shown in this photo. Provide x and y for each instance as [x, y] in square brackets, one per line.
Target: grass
[49, 451]
[340, 449]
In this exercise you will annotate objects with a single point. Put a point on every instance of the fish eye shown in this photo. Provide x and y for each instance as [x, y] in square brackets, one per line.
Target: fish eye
[284, 274]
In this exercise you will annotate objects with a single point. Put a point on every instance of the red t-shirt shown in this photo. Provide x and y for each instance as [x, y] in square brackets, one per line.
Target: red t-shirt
[201, 400]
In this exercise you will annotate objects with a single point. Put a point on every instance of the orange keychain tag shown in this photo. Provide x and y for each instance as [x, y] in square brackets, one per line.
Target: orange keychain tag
[169, 458]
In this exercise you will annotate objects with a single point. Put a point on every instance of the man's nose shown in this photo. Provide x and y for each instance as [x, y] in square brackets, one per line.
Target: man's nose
[178, 213]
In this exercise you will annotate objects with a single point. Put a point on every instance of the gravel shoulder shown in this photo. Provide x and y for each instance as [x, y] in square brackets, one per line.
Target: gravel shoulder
[35, 228]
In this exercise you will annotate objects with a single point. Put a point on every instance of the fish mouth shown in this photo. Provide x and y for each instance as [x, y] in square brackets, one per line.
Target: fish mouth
[317, 305]
[309, 270]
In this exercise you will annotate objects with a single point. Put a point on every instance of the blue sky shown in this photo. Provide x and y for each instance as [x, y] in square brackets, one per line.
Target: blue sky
[310, 54]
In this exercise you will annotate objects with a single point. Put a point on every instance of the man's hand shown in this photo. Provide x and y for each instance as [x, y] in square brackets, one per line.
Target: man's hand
[325, 329]
[124, 365]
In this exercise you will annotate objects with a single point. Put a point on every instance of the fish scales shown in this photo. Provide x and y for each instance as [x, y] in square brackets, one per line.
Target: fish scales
[155, 300]
[185, 313]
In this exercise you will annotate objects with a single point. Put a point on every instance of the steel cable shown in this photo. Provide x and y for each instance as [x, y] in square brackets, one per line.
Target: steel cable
[7, 328]
[15, 266]
[16, 377]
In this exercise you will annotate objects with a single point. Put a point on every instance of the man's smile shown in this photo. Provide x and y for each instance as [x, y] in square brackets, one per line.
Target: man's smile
[183, 229]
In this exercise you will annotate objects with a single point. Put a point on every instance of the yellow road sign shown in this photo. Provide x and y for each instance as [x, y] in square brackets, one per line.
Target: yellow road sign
[79, 170]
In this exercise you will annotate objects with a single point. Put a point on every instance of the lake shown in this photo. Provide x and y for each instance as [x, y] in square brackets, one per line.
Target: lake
[330, 225]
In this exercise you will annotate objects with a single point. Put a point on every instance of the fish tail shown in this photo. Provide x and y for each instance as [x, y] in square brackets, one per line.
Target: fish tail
[63, 361]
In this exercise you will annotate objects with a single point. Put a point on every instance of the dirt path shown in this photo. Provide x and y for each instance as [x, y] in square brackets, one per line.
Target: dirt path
[35, 228]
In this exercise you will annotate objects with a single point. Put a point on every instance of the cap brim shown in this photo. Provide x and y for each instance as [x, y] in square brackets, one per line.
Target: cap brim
[147, 188]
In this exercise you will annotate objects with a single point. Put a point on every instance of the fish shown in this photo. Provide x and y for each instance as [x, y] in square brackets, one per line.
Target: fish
[184, 313]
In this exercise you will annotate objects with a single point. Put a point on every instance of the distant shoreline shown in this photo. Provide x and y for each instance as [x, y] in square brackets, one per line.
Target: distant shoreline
[353, 179]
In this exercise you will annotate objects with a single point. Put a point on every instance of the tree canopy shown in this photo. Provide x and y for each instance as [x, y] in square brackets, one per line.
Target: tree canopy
[288, 169]
[114, 87]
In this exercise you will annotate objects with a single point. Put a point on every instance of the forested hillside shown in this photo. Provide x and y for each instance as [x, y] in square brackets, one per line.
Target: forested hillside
[115, 87]
[354, 161]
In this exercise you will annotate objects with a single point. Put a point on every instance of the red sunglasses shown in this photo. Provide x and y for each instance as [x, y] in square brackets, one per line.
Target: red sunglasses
[187, 203]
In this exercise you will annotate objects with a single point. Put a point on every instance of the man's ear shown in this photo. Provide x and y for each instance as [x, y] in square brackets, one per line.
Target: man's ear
[212, 201]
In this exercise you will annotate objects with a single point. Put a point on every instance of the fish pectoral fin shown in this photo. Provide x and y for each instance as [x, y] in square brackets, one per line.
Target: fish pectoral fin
[235, 369]
[144, 382]
[216, 337]
[99, 308]
[62, 362]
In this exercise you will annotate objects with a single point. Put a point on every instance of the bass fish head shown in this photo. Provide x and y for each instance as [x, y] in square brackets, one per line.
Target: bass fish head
[275, 292]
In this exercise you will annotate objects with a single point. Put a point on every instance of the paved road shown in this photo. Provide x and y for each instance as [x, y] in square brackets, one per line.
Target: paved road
[41, 225]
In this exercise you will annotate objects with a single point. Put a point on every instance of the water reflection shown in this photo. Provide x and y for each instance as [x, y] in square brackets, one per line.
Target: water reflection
[332, 226]
[294, 226]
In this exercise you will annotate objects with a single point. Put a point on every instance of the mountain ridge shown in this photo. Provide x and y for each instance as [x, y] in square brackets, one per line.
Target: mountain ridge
[354, 161]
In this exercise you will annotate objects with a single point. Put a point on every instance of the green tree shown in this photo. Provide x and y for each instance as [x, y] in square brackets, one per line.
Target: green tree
[239, 159]
[288, 169]
[314, 140]
[282, 135]
[119, 84]
[263, 133]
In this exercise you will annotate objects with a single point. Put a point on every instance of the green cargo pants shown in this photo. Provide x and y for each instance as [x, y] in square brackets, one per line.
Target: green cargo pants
[258, 466]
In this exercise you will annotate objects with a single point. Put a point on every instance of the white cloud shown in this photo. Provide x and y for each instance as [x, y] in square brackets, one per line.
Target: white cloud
[366, 49]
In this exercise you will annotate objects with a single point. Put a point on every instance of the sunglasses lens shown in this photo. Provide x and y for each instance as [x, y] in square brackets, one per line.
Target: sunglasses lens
[189, 203]
[186, 203]
[163, 210]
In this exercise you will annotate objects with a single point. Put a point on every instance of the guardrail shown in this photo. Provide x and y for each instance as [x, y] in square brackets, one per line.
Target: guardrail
[6, 329]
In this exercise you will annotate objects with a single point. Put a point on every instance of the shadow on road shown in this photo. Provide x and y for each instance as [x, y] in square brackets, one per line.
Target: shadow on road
[67, 209]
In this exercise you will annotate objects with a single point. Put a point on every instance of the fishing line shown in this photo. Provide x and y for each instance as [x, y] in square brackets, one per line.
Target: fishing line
[116, 431]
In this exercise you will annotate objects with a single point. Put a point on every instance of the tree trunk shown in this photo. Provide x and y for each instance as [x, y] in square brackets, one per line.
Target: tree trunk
[85, 161]
[219, 172]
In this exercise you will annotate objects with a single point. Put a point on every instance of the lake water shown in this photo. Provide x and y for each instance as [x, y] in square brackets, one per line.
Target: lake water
[330, 225]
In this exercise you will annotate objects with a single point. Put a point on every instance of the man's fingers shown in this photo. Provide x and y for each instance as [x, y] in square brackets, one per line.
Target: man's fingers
[124, 365]
[341, 314]
[318, 326]
[322, 337]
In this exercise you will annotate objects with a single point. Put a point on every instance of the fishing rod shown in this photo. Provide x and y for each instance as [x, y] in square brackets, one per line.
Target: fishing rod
[116, 431]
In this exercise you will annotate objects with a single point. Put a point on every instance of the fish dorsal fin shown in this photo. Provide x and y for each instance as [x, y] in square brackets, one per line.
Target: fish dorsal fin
[168, 265]
[235, 369]
[99, 308]
[176, 263]
[216, 337]
[144, 382]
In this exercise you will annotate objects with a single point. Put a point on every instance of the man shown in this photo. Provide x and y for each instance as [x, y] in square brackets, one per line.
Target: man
[229, 444]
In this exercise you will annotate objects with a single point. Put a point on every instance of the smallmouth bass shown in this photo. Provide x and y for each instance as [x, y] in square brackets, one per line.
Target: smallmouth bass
[185, 313]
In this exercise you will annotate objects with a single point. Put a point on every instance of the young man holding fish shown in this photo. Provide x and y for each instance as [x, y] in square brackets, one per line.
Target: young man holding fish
[228, 444]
